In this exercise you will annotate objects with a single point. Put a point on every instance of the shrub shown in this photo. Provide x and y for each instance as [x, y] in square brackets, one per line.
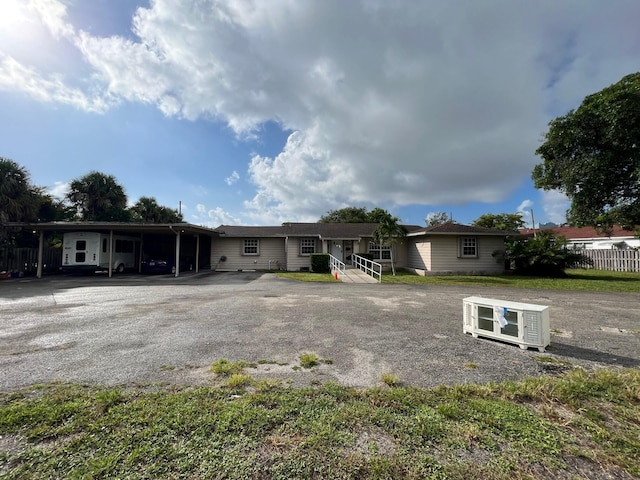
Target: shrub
[546, 254]
[320, 263]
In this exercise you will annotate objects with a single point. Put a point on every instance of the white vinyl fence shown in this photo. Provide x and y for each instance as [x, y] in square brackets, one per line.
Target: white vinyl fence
[614, 260]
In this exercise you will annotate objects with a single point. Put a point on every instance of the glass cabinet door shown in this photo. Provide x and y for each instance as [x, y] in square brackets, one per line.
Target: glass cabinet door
[485, 318]
[511, 328]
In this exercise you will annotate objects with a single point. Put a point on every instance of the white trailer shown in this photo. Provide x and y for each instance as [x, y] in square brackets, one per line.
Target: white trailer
[90, 252]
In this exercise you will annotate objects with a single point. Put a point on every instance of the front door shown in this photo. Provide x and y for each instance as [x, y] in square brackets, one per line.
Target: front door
[337, 249]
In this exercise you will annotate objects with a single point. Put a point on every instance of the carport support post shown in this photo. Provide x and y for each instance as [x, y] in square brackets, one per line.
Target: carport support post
[40, 248]
[197, 253]
[110, 253]
[177, 263]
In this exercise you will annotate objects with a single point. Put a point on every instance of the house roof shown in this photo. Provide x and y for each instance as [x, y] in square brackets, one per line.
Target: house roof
[583, 232]
[343, 231]
[453, 228]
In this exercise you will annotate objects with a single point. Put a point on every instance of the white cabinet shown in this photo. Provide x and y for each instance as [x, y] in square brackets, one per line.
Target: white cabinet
[524, 324]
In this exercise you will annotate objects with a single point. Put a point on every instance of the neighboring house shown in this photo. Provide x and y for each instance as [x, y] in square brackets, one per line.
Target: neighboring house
[445, 248]
[456, 248]
[590, 239]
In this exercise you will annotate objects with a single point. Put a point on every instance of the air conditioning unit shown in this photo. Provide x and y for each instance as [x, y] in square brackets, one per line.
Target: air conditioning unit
[524, 324]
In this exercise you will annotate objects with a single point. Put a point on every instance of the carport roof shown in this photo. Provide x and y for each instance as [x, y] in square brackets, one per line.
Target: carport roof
[116, 226]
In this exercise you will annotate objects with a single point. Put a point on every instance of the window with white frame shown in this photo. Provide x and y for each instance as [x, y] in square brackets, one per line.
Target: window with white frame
[307, 246]
[380, 252]
[251, 246]
[468, 247]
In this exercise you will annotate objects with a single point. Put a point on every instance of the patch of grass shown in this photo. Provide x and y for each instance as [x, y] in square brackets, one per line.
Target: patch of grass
[309, 360]
[307, 276]
[238, 380]
[226, 368]
[389, 379]
[585, 280]
[471, 365]
[543, 427]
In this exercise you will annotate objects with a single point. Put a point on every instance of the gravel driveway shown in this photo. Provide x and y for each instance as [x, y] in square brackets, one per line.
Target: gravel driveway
[138, 329]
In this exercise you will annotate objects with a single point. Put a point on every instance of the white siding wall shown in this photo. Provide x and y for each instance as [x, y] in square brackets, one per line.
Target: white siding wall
[444, 256]
[270, 249]
[295, 261]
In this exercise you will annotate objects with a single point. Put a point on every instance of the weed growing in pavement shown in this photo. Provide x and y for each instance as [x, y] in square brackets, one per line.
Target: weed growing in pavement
[309, 360]
[226, 368]
[390, 379]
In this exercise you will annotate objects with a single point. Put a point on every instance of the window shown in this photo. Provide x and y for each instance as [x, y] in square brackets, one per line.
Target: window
[469, 247]
[307, 246]
[251, 246]
[81, 244]
[379, 252]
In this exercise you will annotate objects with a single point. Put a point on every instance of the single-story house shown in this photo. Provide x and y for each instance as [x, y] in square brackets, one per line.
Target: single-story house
[591, 239]
[446, 248]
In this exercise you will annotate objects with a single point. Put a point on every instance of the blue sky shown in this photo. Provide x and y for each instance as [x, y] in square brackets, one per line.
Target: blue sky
[254, 112]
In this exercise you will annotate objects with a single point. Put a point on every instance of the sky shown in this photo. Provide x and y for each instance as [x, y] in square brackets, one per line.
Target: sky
[257, 112]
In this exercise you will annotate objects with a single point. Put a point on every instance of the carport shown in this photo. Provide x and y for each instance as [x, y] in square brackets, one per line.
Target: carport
[182, 237]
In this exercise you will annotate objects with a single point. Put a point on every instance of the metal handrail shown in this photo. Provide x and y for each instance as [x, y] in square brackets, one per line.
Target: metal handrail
[368, 266]
[336, 265]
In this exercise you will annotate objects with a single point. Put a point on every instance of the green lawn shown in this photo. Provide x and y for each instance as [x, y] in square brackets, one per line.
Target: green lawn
[551, 427]
[589, 280]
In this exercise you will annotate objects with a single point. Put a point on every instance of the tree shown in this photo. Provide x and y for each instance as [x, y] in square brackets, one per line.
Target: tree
[345, 215]
[355, 215]
[147, 210]
[545, 254]
[510, 222]
[98, 197]
[19, 200]
[437, 218]
[388, 233]
[592, 154]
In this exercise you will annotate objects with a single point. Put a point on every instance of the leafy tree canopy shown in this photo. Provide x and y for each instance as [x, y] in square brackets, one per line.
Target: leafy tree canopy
[356, 215]
[592, 154]
[98, 197]
[501, 221]
[147, 210]
[437, 218]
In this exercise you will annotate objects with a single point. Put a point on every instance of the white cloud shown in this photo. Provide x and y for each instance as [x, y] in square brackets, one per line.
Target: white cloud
[59, 190]
[524, 206]
[555, 205]
[16, 77]
[233, 178]
[390, 103]
[213, 217]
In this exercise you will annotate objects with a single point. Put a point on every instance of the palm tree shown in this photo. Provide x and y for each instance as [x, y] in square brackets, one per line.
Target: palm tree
[19, 200]
[147, 210]
[97, 196]
[388, 233]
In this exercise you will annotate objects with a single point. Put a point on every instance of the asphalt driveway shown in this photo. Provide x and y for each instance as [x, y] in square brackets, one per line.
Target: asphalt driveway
[143, 330]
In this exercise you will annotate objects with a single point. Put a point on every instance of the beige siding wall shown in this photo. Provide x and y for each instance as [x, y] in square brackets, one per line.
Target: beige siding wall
[295, 261]
[444, 256]
[419, 254]
[270, 249]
